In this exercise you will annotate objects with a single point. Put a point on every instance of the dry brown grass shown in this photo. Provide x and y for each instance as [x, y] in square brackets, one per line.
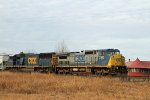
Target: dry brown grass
[36, 86]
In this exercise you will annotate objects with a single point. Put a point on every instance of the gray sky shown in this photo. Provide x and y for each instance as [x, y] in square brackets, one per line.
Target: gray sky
[39, 25]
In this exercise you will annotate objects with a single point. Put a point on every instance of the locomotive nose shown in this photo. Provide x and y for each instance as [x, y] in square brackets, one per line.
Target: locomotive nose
[117, 60]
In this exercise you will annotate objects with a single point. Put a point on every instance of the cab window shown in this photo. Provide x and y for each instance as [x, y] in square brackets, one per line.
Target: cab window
[117, 52]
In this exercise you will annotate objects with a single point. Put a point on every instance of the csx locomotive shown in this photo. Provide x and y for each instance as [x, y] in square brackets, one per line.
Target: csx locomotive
[100, 62]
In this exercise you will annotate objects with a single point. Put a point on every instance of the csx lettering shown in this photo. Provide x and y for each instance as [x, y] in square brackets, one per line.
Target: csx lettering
[31, 60]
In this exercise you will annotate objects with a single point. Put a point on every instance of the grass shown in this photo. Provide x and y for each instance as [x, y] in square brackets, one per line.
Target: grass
[37, 86]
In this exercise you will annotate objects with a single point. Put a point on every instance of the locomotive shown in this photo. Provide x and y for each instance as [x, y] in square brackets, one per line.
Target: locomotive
[99, 62]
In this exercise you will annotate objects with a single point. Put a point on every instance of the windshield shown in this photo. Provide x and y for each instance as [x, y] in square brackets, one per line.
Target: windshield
[117, 52]
[110, 52]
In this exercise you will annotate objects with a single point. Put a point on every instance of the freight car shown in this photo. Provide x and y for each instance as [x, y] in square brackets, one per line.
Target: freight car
[99, 62]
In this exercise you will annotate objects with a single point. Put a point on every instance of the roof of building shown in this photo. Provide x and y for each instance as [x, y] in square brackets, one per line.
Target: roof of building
[138, 64]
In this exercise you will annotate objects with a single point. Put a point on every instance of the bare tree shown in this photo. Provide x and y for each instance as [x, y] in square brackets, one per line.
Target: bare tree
[62, 47]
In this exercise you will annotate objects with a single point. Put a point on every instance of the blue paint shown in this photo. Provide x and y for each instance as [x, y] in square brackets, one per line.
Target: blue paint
[103, 59]
[44, 62]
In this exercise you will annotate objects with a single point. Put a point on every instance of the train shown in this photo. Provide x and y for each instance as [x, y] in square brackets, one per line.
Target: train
[97, 62]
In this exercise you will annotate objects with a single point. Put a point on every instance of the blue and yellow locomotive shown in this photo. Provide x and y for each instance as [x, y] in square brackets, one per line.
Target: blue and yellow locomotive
[103, 61]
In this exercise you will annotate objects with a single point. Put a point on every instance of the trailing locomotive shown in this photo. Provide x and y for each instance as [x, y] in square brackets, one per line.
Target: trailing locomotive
[37, 62]
[100, 62]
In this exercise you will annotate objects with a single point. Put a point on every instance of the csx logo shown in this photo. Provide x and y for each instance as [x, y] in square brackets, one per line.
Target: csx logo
[32, 60]
[80, 58]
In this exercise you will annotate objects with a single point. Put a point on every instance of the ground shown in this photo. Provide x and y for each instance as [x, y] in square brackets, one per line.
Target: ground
[38, 86]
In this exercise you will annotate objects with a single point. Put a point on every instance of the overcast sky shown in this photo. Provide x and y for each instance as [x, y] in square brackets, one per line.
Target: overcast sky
[39, 25]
